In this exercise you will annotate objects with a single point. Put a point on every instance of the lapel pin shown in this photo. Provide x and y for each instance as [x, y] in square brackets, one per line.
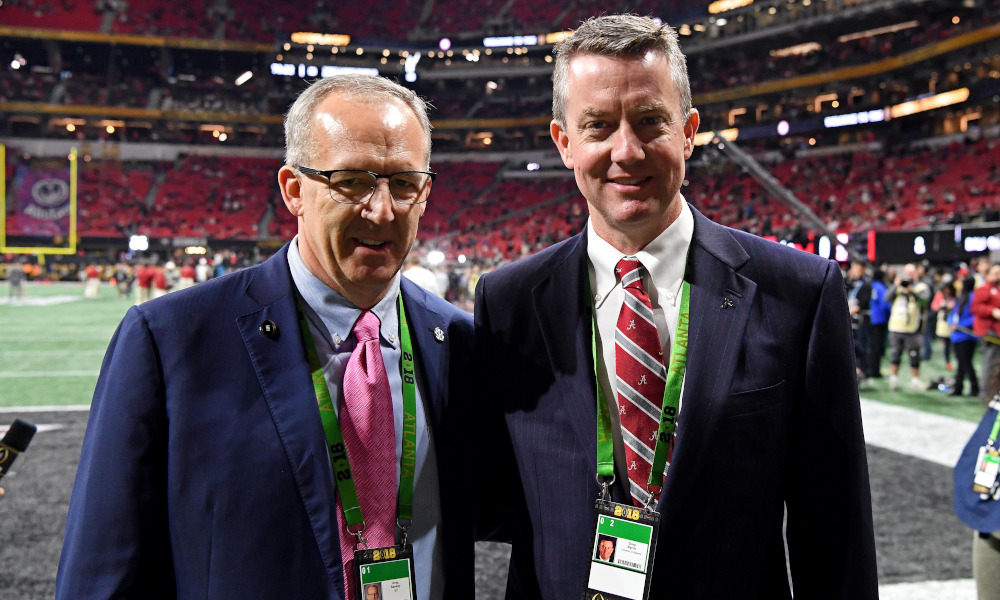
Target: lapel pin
[270, 330]
[727, 302]
[438, 334]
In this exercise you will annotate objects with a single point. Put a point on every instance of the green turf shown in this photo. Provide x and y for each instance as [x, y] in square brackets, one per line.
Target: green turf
[50, 355]
[932, 400]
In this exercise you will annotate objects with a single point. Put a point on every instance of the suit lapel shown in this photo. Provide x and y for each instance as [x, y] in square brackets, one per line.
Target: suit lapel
[563, 311]
[283, 371]
[721, 303]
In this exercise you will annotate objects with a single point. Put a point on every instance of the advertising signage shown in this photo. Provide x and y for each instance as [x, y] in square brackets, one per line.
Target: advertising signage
[943, 244]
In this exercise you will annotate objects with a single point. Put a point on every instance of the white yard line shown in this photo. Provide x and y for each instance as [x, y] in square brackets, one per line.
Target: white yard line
[46, 374]
[927, 436]
[955, 589]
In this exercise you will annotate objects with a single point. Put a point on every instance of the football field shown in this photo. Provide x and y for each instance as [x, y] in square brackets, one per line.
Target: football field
[53, 340]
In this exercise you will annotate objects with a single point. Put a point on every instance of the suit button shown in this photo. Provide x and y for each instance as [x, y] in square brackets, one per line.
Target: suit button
[270, 330]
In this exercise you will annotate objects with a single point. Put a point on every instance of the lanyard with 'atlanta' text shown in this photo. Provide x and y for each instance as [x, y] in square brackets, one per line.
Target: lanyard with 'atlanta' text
[671, 401]
[335, 438]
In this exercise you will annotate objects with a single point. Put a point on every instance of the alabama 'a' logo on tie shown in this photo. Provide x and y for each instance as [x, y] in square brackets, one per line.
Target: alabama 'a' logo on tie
[641, 377]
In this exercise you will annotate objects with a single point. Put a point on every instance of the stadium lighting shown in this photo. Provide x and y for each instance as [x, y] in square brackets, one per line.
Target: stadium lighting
[410, 77]
[783, 128]
[138, 243]
[15, 65]
[223, 137]
[245, 77]
[435, 257]
[878, 31]
[533, 166]
[444, 44]
[930, 103]
[726, 5]
[461, 259]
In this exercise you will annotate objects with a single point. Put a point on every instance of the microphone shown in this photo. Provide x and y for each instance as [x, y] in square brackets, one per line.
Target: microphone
[15, 442]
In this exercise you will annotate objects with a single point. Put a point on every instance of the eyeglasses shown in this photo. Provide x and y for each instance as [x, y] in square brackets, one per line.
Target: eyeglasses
[351, 186]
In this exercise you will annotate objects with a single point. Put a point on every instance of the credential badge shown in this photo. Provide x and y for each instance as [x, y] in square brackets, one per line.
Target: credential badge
[438, 334]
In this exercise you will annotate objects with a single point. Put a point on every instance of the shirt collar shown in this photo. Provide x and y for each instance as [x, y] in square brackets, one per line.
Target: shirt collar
[664, 258]
[327, 308]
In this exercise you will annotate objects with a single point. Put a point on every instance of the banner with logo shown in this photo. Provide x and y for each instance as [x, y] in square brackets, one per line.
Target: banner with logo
[41, 214]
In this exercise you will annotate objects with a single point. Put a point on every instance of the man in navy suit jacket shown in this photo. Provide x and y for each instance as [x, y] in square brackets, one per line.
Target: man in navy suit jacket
[767, 488]
[205, 471]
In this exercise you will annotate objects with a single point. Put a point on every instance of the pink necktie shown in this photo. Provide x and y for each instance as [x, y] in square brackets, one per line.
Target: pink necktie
[369, 434]
[641, 377]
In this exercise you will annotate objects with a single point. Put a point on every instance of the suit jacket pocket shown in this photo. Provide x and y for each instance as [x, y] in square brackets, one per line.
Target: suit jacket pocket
[751, 402]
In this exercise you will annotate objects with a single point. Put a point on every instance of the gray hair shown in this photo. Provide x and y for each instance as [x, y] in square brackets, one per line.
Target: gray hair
[301, 146]
[619, 36]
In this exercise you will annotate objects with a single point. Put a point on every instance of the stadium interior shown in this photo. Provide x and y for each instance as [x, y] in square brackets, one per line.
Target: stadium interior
[876, 114]
[880, 118]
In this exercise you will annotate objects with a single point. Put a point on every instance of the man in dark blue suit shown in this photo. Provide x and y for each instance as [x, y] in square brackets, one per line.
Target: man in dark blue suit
[766, 491]
[205, 470]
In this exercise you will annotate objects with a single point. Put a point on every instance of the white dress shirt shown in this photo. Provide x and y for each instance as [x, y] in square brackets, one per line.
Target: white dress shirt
[664, 260]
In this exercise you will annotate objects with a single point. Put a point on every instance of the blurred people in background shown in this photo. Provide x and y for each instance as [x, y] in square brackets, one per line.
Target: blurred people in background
[203, 271]
[879, 308]
[159, 287]
[143, 282]
[928, 277]
[92, 283]
[187, 275]
[15, 278]
[124, 276]
[963, 338]
[908, 297]
[421, 275]
[859, 295]
[986, 318]
[975, 499]
[942, 304]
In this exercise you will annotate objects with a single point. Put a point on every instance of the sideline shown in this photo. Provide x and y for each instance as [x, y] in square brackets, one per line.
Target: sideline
[934, 438]
[39, 409]
[954, 589]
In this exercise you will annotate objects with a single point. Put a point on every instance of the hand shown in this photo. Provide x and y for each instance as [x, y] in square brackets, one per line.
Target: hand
[996, 314]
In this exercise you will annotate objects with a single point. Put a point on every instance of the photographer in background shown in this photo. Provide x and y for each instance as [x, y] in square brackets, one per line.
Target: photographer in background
[908, 298]
[859, 295]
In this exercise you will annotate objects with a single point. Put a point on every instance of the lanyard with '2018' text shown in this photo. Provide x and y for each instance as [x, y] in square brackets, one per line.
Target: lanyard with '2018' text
[671, 401]
[625, 536]
[335, 439]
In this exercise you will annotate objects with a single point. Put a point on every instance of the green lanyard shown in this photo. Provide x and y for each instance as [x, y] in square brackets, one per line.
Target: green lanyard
[335, 438]
[992, 442]
[671, 400]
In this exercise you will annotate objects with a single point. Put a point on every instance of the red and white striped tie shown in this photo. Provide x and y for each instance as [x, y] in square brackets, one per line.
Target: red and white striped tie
[641, 377]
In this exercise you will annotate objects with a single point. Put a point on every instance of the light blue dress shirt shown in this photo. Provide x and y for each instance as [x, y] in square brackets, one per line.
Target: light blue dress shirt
[331, 318]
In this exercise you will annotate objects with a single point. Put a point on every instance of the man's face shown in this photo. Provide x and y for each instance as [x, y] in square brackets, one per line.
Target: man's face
[606, 547]
[356, 249]
[371, 593]
[856, 271]
[626, 140]
[993, 275]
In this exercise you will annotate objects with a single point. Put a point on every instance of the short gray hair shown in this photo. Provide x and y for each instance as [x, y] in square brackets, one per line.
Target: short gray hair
[619, 36]
[300, 145]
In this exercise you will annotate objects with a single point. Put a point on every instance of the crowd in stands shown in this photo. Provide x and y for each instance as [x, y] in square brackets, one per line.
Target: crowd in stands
[212, 89]
[477, 210]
